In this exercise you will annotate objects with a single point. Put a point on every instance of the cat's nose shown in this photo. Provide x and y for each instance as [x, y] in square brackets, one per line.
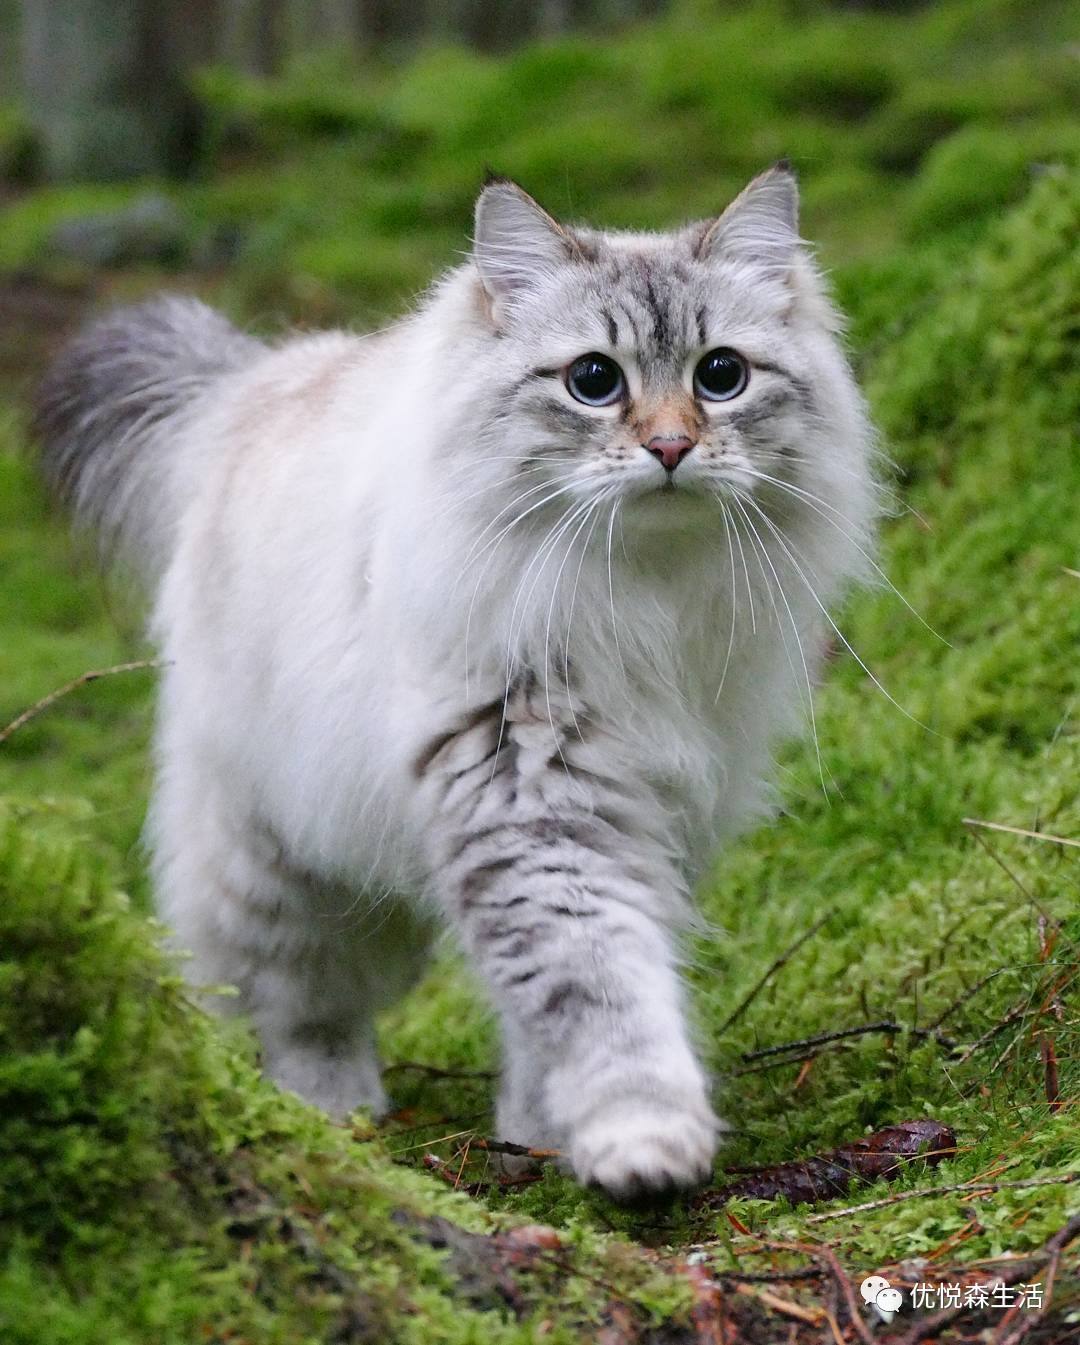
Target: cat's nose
[670, 449]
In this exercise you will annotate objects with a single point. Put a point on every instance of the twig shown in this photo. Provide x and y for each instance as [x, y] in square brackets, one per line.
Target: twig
[434, 1071]
[757, 988]
[770, 1276]
[514, 1150]
[814, 1316]
[1043, 913]
[842, 1280]
[84, 679]
[963, 999]
[771, 1064]
[1019, 1010]
[975, 1188]
[1050, 1071]
[1055, 1246]
[894, 1029]
[1050, 1252]
[1021, 831]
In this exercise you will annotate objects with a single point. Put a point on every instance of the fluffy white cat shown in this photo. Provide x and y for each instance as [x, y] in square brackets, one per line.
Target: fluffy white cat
[492, 618]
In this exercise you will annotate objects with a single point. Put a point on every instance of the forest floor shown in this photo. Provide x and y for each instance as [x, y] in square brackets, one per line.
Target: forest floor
[879, 956]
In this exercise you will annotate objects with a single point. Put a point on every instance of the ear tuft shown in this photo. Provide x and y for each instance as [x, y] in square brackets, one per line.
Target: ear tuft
[517, 243]
[761, 226]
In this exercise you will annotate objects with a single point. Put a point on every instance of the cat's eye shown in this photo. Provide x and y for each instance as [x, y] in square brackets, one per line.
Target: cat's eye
[595, 380]
[720, 375]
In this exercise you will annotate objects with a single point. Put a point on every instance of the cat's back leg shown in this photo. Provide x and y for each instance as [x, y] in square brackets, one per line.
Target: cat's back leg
[312, 962]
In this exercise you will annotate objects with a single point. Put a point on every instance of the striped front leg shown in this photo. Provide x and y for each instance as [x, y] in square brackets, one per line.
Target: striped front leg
[552, 870]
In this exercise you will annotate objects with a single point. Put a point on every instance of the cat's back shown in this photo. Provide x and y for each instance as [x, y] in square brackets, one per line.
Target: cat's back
[285, 461]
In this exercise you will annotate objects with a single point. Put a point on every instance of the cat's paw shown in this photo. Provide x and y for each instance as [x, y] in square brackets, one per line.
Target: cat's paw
[634, 1150]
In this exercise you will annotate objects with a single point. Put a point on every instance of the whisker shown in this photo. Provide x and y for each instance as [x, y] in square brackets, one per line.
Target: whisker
[547, 630]
[494, 546]
[819, 505]
[755, 538]
[611, 585]
[839, 633]
[734, 601]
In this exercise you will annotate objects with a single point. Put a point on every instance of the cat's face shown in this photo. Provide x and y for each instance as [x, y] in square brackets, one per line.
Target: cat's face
[676, 372]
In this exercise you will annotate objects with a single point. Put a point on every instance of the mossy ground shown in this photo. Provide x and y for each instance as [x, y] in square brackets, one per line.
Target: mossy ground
[151, 1187]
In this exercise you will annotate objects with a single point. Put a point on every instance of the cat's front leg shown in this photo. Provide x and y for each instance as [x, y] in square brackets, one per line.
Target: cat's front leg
[562, 904]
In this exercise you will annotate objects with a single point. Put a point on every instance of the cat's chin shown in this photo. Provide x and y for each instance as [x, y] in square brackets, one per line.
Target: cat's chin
[669, 506]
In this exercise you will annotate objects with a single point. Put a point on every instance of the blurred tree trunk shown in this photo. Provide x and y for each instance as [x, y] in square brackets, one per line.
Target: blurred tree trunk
[105, 83]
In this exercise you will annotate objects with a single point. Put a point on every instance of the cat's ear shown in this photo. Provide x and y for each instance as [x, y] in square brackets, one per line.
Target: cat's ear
[761, 226]
[517, 244]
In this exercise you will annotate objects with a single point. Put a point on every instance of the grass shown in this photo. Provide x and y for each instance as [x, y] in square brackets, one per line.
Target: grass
[151, 1186]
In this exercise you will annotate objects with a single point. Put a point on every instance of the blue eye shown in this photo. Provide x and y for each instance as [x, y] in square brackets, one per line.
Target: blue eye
[595, 380]
[721, 375]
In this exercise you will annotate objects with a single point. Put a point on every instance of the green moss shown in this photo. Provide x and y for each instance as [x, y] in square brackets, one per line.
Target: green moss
[978, 169]
[665, 120]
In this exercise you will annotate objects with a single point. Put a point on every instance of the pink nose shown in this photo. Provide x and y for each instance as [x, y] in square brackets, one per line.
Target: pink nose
[670, 449]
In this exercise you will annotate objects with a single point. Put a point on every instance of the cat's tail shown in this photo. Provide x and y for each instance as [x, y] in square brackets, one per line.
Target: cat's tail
[110, 414]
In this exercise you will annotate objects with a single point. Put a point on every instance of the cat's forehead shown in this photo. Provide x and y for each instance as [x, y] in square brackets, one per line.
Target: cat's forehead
[651, 293]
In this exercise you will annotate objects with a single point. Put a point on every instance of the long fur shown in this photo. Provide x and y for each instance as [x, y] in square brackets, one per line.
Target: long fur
[109, 407]
[445, 643]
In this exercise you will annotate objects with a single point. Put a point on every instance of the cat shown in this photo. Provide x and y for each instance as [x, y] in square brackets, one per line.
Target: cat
[492, 619]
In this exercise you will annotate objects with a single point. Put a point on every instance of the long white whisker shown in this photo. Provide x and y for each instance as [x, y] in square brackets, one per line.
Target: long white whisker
[749, 587]
[563, 480]
[611, 585]
[839, 633]
[547, 628]
[739, 502]
[493, 546]
[819, 506]
[545, 550]
[734, 600]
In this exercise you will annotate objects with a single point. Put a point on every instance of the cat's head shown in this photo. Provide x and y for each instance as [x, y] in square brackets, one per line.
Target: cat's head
[665, 369]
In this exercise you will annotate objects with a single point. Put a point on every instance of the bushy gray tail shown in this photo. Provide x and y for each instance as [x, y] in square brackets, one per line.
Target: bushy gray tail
[108, 413]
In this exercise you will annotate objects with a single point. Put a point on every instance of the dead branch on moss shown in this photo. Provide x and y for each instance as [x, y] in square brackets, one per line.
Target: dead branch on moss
[515, 1150]
[1049, 1255]
[436, 1072]
[972, 1189]
[1021, 831]
[843, 1034]
[968, 995]
[84, 679]
[770, 972]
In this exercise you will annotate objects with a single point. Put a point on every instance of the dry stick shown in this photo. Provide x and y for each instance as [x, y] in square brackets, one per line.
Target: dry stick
[1021, 831]
[1055, 1246]
[84, 679]
[963, 999]
[514, 1150]
[827, 1253]
[435, 1072]
[772, 1064]
[813, 1316]
[1005, 868]
[1019, 1010]
[1051, 1250]
[975, 1188]
[756, 990]
[767, 1276]
[894, 1029]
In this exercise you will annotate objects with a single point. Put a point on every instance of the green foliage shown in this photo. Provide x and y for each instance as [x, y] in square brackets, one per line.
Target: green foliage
[333, 191]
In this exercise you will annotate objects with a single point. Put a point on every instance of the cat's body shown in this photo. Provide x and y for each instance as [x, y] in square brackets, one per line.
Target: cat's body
[444, 638]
